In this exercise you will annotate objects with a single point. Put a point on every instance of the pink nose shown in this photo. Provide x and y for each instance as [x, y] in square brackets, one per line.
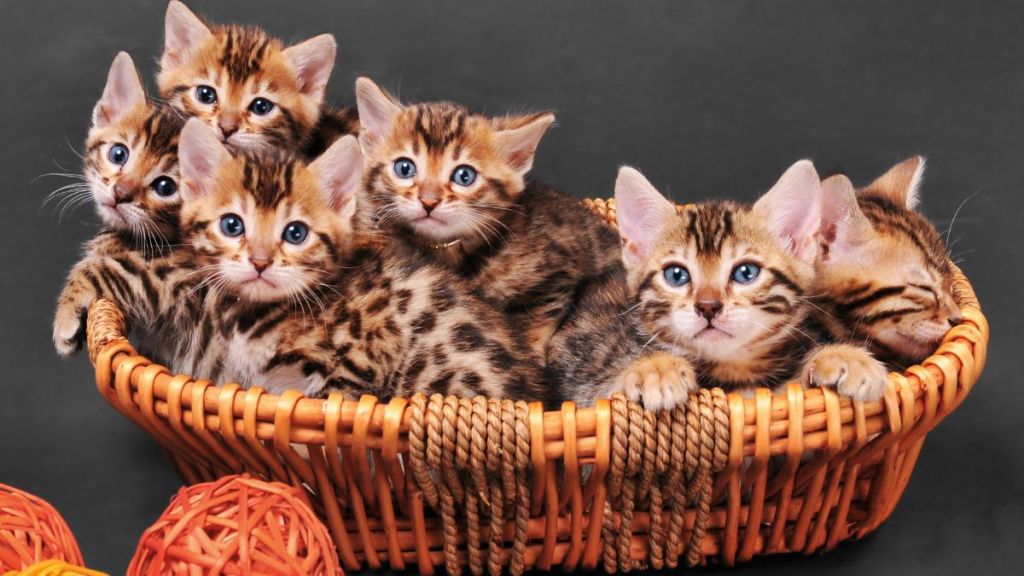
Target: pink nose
[708, 308]
[429, 204]
[260, 264]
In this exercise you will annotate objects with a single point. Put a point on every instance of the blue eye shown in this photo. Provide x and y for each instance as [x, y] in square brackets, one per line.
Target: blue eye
[164, 187]
[464, 175]
[405, 168]
[676, 276]
[295, 233]
[231, 225]
[261, 106]
[746, 273]
[118, 154]
[206, 95]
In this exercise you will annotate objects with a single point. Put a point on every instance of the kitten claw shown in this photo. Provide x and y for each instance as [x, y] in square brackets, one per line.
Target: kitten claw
[659, 382]
[851, 370]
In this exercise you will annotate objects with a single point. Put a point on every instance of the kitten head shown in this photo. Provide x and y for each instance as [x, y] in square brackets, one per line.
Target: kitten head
[266, 227]
[248, 87]
[720, 280]
[440, 171]
[131, 158]
[884, 267]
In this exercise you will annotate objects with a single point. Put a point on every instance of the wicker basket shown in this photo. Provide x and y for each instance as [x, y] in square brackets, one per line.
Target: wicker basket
[487, 484]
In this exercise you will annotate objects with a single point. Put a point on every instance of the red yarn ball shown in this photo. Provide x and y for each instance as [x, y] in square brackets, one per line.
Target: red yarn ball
[32, 531]
[237, 525]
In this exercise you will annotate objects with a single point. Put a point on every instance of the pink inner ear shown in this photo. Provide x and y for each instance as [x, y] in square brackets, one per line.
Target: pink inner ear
[377, 111]
[123, 91]
[339, 172]
[183, 32]
[792, 209]
[314, 61]
[641, 212]
[200, 156]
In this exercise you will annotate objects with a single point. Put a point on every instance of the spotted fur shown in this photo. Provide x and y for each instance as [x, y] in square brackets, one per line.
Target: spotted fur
[885, 278]
[525, 246]
[241, 65]
[334, 312]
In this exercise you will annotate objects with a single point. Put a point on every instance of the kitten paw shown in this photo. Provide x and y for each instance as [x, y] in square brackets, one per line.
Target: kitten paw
[659, 382]
[851, 370]
[68, 331]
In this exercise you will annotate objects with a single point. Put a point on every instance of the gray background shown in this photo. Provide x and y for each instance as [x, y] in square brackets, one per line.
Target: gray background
[709, 99]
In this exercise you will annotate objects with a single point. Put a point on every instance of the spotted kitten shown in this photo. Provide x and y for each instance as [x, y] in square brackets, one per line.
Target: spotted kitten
[252, 90]
[131, 168]
[301, 302]
[714, 295]
[451, 184]
[886, 279]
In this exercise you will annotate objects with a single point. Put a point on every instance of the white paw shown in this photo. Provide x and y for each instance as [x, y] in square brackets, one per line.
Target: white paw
[851, 370]
[68, 331]
[659, 382]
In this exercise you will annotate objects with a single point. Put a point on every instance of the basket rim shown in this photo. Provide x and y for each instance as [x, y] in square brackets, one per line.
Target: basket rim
[915, 400]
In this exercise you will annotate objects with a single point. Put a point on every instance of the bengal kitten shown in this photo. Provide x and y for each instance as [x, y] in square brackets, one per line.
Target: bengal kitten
[130, 165]
[886, 277]
[714, 295]
[451, 183]
[252, 90]
[303, 303]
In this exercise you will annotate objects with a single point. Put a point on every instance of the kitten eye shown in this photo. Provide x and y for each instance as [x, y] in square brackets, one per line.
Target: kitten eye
[164, 187]
[295, 233]
[231, 225]
[206, 94]
[746, 273]
[676, 276]
[118, 154]
[405, 168]
[464, 175]
[261, 106]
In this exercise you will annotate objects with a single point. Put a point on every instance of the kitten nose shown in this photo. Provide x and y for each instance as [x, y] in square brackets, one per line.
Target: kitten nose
[708, 308]
[956, 318]
[260, 264]
[122, 193]
[429, 204]
[228, 125]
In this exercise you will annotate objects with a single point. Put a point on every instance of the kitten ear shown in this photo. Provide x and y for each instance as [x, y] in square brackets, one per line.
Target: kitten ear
[313, 61]
[518, 145]
[642, 213]
[200, 157]
[792, 210]
[183, 33]
[377, 113]
[123, 92]
[843, 225]
[901, 182]
[339, 172]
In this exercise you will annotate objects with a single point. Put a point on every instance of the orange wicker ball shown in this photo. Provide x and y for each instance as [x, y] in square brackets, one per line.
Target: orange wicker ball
[237, 525]
[55, 568]
[32, 531]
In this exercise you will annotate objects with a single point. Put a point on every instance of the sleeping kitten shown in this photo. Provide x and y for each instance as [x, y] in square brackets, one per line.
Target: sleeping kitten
[252, 90]
[303, 303]
[718, 288]
[886, 277]
[131, 166]
[451, 183]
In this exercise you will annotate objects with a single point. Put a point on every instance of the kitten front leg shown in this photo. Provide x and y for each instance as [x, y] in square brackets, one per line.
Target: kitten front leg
[72, 304]
[660, 381]
[851, 370]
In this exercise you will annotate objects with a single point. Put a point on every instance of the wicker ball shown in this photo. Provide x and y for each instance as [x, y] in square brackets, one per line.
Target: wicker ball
[32, 531]
[237, 525]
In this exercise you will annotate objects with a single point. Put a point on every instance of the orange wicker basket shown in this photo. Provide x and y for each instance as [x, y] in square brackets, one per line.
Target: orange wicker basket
[487, 484]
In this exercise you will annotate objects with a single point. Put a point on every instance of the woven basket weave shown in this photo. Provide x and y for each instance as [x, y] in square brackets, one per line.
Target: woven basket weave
[485, 484]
